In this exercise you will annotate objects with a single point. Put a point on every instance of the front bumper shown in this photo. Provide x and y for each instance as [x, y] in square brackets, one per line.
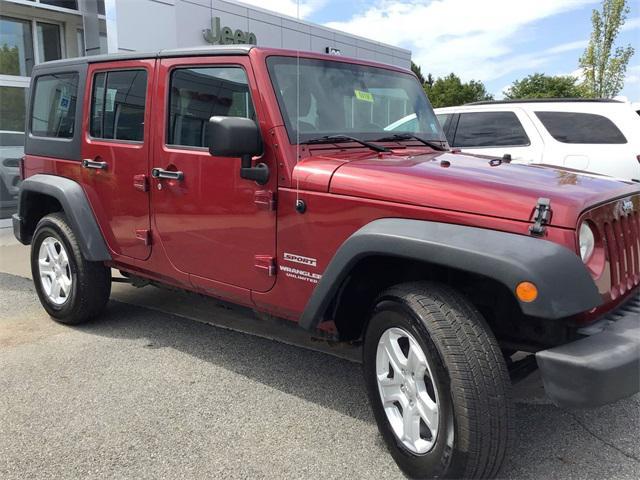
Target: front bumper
[600, 368]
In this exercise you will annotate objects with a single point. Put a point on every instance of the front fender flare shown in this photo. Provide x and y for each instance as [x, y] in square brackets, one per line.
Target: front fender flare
[564, 284]
[76, 207]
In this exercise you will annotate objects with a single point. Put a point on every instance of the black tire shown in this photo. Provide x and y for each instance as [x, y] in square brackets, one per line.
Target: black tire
[91, 281]
[474, 391]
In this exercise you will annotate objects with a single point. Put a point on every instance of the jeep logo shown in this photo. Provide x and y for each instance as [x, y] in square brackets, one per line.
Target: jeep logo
[225, 36]
[627, 206]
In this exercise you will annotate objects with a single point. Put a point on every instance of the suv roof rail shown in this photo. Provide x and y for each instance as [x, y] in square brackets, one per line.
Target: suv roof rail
[544, 100]
[173, 52]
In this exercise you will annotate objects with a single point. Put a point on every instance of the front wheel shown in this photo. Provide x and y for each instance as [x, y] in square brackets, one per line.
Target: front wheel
[71, 288]
[437, 383]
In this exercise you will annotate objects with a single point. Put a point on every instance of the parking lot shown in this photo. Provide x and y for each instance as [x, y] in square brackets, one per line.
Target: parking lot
[150, 391]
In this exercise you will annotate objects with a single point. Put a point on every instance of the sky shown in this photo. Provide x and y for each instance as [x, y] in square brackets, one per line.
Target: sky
[495, 41]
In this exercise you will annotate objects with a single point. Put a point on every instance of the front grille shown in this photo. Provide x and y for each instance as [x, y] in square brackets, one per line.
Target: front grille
[622, 237]
[620, 229]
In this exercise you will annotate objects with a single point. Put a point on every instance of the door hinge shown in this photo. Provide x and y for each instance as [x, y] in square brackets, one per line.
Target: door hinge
[265, 199]
[266, 263]
[144, 236]
[541, 217]
[141, 183]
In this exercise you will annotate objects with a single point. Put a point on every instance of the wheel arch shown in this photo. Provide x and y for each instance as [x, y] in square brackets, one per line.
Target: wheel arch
[353, 303]
[43, 194]
[498, 259]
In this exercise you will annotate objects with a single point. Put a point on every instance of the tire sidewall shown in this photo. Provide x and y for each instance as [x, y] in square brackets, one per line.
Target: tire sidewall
[48, 228]
[394, 312]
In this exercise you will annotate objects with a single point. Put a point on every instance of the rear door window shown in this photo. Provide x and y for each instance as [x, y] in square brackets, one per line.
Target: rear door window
[574, 127]
[117, 105]
[490, 129]
[53, 112]
[197, 94]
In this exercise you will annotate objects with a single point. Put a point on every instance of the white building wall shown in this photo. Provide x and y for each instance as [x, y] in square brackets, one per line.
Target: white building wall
[147, 25]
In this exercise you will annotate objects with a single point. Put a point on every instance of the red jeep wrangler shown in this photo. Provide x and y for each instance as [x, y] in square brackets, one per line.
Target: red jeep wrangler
[286, 184]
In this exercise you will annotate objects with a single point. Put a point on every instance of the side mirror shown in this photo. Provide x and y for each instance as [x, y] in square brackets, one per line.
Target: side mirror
[238, 137]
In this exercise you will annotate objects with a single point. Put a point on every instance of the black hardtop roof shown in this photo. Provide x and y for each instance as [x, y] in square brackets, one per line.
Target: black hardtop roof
[174, 52]
[544, 100]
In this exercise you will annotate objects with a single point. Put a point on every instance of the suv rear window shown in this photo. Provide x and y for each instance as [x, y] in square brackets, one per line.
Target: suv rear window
[117, 105]
[573, 127]
[490, 129]
[197, 94]
[54, 105]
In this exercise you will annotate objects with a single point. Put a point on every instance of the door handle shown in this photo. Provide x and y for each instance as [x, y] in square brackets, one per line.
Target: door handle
[86, 163]
[166, 174]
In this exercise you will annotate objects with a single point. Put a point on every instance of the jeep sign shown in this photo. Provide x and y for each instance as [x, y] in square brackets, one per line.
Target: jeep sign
[225, 36]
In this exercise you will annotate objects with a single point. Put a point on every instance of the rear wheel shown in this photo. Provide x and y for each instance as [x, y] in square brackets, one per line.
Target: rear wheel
[437, 383]
[71, 288]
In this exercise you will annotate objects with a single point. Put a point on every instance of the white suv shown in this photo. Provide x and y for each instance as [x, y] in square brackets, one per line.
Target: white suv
[600, 136]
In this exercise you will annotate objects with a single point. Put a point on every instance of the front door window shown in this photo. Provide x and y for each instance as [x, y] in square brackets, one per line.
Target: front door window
[197, 94]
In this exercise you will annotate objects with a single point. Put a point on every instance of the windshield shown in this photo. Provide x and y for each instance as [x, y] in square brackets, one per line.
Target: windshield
[335, 98]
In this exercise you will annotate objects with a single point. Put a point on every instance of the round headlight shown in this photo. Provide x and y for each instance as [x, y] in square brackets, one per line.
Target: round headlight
[587, 242]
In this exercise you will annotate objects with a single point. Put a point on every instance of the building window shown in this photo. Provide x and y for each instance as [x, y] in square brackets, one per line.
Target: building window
[82, 47]
[197, 94]
[49, 47]
[71, 4]
[54, 106]
[117, 105]
[16, 47]
[80, 39]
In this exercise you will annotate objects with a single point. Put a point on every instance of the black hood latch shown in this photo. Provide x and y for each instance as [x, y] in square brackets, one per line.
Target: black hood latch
[541, 217]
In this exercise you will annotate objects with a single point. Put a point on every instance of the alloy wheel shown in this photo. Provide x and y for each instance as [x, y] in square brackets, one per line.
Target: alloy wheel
[55, 271]
[407, 389]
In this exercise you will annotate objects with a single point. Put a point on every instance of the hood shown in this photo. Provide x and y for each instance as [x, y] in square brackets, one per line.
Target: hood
[464, 183]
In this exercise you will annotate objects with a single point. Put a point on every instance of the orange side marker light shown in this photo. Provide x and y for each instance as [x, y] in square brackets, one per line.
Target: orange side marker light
[526, 292]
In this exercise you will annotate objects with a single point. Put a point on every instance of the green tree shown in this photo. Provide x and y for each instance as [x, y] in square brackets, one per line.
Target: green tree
[540, 85]
[429, 80]
[415, 68]
[603, 65]
[9, 60]
[450, 90]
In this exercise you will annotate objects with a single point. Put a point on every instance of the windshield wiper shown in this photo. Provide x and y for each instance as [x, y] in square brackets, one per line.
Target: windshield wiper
[408, 136]
[346, 138]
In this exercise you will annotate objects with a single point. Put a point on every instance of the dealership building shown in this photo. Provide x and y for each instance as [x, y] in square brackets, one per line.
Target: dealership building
[34, 31]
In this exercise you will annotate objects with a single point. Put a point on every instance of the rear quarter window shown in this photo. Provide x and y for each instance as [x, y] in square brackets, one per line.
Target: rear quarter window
[53, 112]
[574, 127]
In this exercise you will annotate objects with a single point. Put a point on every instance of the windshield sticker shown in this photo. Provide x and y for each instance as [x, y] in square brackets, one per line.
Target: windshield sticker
[363, 96]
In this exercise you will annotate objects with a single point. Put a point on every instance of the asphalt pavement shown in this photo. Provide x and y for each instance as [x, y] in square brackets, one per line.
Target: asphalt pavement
[144, 393]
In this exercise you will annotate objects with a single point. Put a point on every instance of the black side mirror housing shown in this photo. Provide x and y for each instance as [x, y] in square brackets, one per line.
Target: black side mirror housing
[238, 137]
[234, 137]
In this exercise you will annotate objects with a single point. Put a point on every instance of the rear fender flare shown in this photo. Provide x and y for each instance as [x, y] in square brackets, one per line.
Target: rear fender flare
[76, 207]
